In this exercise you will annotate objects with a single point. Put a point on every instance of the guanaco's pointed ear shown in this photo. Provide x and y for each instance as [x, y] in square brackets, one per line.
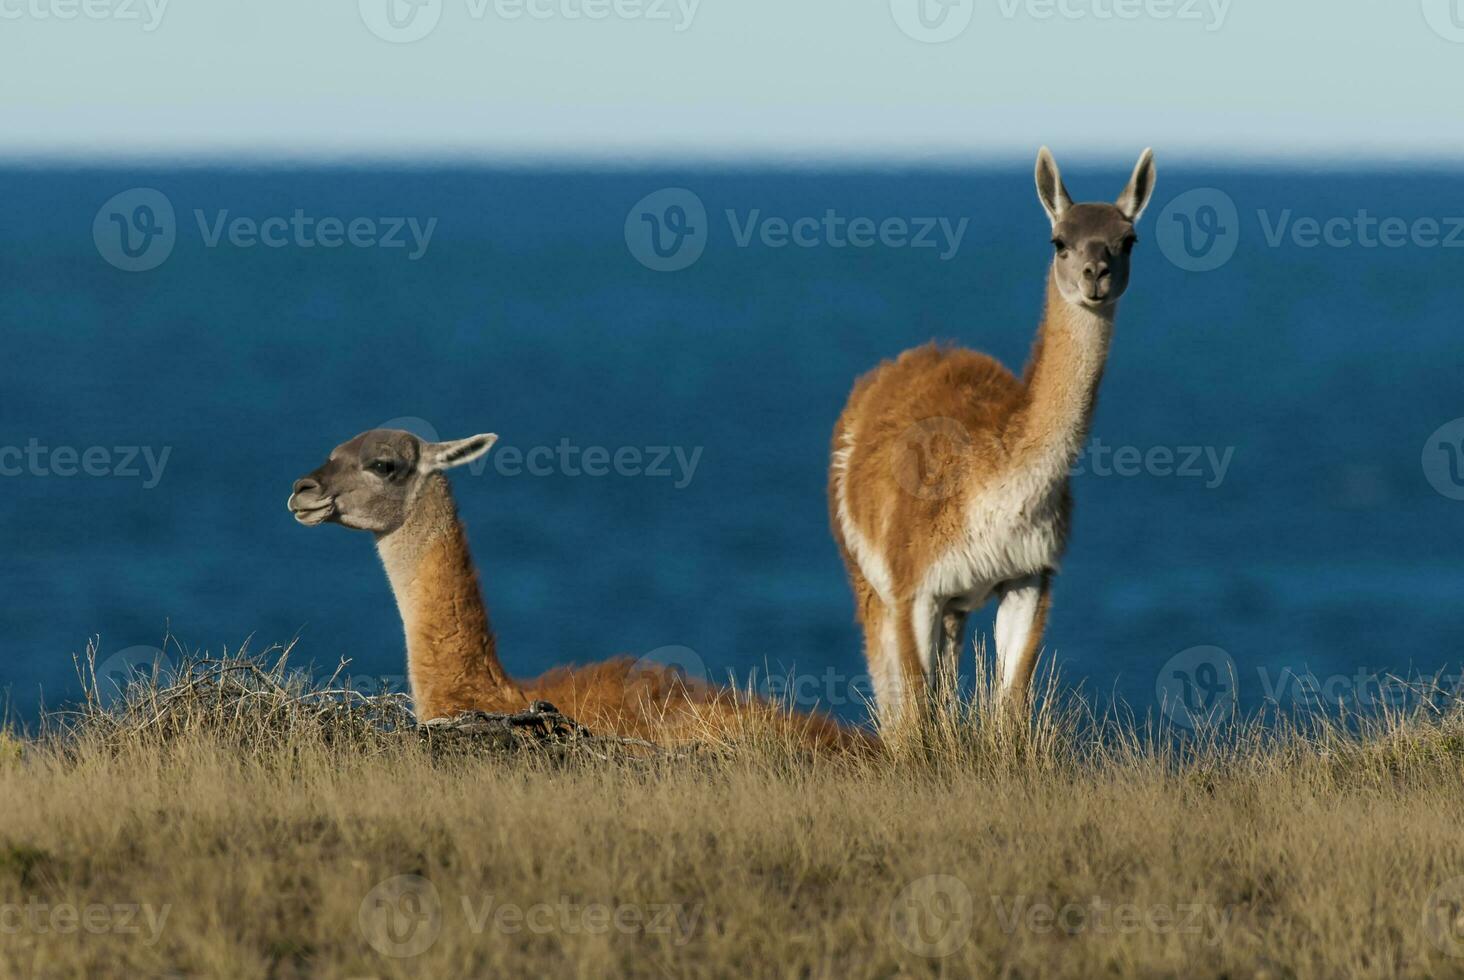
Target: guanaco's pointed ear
[445, 455]
[1135, 196]
[1050, 191]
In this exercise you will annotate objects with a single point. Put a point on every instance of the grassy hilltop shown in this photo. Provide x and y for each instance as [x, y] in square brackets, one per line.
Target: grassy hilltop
[248, 829]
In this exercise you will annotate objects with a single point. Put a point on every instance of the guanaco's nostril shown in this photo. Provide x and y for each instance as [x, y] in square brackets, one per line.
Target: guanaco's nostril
[306, 484]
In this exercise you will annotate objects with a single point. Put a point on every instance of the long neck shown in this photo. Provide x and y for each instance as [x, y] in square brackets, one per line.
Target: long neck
[452, 657]
[1062, 384]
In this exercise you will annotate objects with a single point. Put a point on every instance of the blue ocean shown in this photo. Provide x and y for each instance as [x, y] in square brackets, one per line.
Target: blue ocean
[1271, 495]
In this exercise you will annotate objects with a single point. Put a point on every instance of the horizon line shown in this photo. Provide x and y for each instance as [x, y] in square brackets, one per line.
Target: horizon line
[1341, 159]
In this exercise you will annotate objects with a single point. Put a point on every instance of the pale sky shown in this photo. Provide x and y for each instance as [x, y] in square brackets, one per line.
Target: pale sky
[665, 81]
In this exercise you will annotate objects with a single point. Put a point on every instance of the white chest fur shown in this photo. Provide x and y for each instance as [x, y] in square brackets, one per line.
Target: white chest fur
[1014, 529]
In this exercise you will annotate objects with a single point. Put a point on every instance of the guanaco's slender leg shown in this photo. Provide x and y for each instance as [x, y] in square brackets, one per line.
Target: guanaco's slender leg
[1020, 620]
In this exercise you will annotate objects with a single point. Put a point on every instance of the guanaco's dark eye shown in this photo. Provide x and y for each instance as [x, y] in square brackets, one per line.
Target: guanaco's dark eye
[382, 467]
[1129, 243]
[1059, 246]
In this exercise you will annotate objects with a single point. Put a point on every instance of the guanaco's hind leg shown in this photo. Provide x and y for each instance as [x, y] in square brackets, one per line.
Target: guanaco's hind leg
[897, 660]
[882, 653]
[910, 637]
[881, 646]
[1020, 620]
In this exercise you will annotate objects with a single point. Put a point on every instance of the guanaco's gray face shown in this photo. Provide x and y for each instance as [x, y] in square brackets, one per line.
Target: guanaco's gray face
[372, 482]
[1093, 243]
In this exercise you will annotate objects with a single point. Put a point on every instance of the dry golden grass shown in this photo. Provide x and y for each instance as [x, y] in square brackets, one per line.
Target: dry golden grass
[280, 834]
